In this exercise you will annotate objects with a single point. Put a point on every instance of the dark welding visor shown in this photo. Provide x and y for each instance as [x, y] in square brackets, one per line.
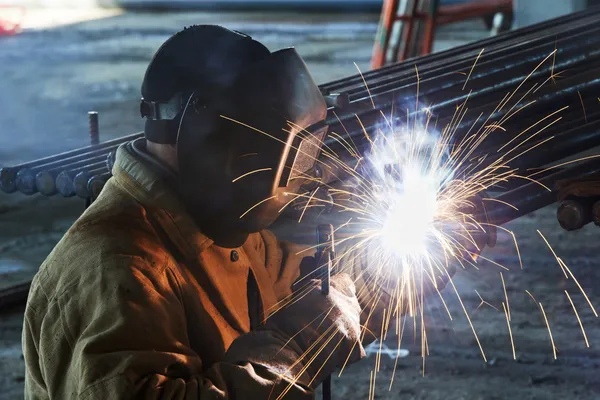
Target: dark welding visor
[280, 98]
[271, 102]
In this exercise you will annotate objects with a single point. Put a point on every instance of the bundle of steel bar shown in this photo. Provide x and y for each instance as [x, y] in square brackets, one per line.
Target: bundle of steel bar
[62, 173]
[503, 64]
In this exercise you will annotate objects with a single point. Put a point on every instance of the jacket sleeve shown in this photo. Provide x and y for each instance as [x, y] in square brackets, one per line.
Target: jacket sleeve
[126, 329]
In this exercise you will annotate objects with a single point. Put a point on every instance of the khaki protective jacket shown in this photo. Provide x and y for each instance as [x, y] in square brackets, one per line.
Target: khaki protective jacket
[135, 302]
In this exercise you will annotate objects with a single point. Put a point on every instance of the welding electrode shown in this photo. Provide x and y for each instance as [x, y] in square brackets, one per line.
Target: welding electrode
[324, 257]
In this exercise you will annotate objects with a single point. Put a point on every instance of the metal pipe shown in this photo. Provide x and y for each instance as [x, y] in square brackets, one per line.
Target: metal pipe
[30, 181]
[505, 62]
[45, 180]
[81, 181]
[96, 184]
[573, 214]
[65, 181]
[528, 36]
[8, 175]
[532, 196]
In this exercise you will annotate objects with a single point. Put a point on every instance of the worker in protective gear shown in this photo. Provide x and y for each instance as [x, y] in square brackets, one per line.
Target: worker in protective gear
[167, 287]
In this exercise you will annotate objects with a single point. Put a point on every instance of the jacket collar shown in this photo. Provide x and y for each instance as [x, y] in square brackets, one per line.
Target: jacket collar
[152, 185]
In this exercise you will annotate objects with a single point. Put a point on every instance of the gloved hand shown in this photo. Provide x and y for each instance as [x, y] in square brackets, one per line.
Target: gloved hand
[312, 320]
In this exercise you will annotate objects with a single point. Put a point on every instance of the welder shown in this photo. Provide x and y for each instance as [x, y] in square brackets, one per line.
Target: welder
[167, 287]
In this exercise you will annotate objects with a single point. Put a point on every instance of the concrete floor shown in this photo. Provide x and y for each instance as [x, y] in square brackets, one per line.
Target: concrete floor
[52, 77]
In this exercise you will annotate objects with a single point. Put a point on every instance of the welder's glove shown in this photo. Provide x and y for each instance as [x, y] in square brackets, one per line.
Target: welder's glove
[314, 319]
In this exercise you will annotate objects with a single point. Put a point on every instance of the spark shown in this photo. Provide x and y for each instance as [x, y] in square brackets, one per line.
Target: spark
[512, 342]
[250, 173]
[506, 297]
[483, 302]
[582, 106]
[549, 330]
[256, 205]
[581, 289]
[472, 68]
[553, 253]
[366, 86]
[578, 319]
[566, 270]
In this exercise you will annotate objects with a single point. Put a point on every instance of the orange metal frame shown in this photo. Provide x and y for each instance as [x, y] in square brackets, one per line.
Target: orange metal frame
[11, 18]
[437, 15]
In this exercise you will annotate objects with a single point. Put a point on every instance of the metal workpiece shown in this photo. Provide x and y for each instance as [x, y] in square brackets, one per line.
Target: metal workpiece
[575, 213]
[568, 95]
[8, 175]
[8, 180]
[335, 99]
[511, 66]
[45, 180]
[42, 179]
[534, 196]
[64, 183]
[522, 38]
[96, 184]
[81, 180]
[462, 58]
[25, 181]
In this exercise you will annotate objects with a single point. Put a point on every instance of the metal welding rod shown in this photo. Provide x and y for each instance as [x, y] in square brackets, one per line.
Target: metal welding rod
[324, 257]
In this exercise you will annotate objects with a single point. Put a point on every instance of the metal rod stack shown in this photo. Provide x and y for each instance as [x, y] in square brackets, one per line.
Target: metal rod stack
[57, 174]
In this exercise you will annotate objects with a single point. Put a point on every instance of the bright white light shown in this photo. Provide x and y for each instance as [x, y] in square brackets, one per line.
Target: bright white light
[409, 221]
[406, 173]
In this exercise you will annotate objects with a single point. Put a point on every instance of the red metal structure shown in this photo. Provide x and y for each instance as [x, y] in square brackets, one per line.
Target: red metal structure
[418, 21]
[11, 18]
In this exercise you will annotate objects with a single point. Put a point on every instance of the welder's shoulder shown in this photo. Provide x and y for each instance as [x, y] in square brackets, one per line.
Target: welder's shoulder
[113, 239]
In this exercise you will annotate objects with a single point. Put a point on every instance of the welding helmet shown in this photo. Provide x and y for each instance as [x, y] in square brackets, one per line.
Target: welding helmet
[255, 114]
